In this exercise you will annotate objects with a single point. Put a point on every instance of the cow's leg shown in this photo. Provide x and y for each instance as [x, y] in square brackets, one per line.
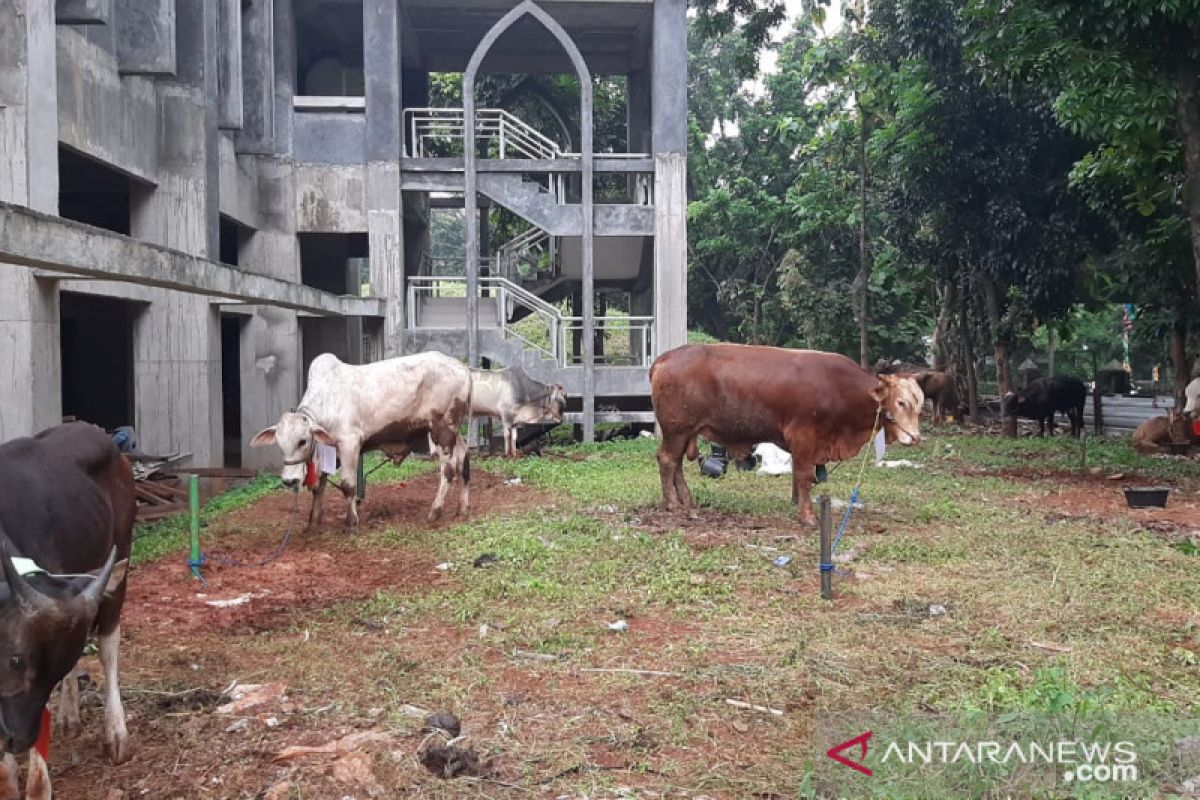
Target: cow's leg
[317, 511]
[349, 469]
[446, 474]
[114, 713]
[37, 780]
[9, 790]
[670, 471]
[68, 722]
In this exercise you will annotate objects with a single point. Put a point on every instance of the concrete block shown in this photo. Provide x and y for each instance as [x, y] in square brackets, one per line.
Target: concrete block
[331, 199]
[83, 12]
[329, 138]
[145, 36]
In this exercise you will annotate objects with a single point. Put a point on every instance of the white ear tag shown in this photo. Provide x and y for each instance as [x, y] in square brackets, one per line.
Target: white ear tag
[326, 458]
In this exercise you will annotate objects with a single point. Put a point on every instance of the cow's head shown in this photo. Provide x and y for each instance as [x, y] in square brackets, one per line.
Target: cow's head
[556, 402]
[1013, 403]
[297, 436]
[900, 401]
[44, 624]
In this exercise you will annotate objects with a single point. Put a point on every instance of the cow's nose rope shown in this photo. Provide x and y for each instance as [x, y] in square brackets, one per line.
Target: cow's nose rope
[196, 564]
[827, 566]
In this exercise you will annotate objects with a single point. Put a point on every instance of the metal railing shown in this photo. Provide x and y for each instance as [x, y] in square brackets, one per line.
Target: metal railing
[439, 132]
[533, 249]
[546, 330]
[626, 340]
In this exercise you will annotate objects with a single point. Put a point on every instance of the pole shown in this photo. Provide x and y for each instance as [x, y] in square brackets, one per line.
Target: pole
[360, 489]
[194, 508]
[826, 549]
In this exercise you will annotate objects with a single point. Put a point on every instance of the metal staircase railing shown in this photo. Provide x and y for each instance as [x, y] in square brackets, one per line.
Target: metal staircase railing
[532, 245]
[546, 330]
[438, 133]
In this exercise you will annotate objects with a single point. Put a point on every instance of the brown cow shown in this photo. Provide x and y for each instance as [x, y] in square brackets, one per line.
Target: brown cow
[939, 389]
[1157, 431]
[818, 406]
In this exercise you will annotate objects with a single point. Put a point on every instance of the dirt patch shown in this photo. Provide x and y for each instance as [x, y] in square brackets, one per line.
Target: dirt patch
[1098, 498]
[314, 570]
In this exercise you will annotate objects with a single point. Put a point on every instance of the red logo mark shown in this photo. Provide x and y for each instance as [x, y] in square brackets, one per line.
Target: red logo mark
[861, 740]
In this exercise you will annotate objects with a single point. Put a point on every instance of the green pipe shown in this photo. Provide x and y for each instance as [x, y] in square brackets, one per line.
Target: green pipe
[194, 507]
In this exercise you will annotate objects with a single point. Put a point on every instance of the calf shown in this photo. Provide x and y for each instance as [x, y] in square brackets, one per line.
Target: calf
[1152, 434]
[1044, 397]
[66, 527]
[510, 396]
[820, 407]
[391, 405]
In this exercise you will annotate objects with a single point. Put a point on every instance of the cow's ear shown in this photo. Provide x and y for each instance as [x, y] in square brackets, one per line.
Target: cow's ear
[322, 436]
[880, 391]
[264, 437]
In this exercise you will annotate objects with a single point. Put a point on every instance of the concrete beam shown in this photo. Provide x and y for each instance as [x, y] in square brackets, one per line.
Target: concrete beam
[42, 241]
[145, 37]
[83, 12]
[229, 64]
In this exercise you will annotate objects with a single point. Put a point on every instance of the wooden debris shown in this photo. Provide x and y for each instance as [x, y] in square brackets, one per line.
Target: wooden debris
[630, 671]
[1053, 648]
[751, 707]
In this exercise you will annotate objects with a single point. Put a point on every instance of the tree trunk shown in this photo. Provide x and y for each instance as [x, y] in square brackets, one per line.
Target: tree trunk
[1179, 361]
[863, 278]
[971, 373]
[1189, 128]
[1050, 342]
[991, 304]
[941, 329]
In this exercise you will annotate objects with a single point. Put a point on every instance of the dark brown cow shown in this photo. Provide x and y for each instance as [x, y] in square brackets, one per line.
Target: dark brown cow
[939, 389]
[67, 510]
[818, 406]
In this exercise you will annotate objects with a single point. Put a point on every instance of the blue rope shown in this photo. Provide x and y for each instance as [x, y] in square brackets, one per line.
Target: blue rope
[829, 567]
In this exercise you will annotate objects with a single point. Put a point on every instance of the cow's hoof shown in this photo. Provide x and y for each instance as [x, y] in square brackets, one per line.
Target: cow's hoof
[808, 522]
[434, 515]
[119, 749]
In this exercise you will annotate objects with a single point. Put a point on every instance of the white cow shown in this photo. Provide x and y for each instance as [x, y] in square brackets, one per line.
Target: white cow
[1192, 395]
[512, 397]
[386, 405]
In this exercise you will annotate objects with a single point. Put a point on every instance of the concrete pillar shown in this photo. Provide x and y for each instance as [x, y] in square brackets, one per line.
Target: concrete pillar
[271, 359]
[177, 339]
[669, 129]
[385, 218]
[30, 357]
[258, 79]
[283, 37]
[229, 64]
[638, 114]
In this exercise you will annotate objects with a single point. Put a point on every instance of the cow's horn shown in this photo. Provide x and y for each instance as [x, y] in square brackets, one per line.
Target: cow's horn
[95, 590]
[28, 598]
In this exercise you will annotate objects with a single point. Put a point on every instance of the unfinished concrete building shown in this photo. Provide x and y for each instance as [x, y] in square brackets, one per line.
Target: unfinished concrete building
[197, 197]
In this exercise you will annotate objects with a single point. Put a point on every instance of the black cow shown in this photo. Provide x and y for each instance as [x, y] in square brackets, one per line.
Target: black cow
[1046, 396]
[67, 510]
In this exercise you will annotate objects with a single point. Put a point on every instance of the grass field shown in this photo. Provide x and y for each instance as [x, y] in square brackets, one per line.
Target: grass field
[994, 582]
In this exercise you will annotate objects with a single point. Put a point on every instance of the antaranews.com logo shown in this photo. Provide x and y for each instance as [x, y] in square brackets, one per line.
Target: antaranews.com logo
[1077, 760]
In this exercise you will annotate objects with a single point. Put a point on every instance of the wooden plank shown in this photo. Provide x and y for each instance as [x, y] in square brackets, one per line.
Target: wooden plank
[212, 472]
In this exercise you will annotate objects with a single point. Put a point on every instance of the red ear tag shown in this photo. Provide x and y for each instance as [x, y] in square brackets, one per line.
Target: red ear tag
[43, 741]
[310, 476]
